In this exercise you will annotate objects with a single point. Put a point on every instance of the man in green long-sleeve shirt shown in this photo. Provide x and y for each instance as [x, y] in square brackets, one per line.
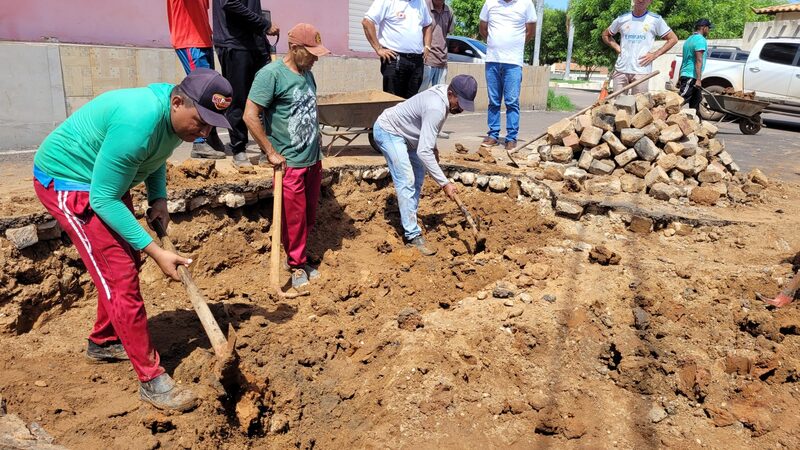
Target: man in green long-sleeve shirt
[83, 172]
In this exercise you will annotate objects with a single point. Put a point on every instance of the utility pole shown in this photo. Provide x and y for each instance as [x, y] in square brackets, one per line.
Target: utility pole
[570, 36]
[538, 42]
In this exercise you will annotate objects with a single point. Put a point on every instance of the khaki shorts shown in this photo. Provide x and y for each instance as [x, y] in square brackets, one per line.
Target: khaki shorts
[623, 79]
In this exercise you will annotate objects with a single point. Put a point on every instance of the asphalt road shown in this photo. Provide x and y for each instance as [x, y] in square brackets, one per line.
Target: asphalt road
[775, 149]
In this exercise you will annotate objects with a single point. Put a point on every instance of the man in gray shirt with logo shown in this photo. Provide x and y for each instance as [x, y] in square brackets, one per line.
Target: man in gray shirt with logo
[406, 135]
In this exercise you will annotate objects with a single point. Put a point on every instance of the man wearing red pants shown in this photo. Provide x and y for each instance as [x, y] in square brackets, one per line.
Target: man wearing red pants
[83, 172]
[285, 92]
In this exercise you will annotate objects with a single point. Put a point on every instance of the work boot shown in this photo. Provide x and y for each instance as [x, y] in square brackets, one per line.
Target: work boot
[163, 393]
[241, 161]
[422, 246]
[215, 142]
[489, 142]
[511, 145]
[108, 352]
[299, 278]
[204, 151]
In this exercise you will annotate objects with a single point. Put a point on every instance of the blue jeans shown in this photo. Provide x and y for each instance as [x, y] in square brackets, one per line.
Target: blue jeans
[431, 76]
[503, 82]
[407, 172]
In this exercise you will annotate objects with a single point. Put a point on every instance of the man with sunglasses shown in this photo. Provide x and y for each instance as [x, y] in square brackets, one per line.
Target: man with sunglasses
[83, 172]
[285, 93]
[406, 134]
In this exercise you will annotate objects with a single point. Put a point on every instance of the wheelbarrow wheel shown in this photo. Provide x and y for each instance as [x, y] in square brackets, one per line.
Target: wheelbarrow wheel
[707, 113]
[750, 126]
[374, 144]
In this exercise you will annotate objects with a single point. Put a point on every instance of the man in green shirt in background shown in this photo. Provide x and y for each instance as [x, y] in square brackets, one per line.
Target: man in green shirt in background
[83, 172]
[693, 64]
[286, 94]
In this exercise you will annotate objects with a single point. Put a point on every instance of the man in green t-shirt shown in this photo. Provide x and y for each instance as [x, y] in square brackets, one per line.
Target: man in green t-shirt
[286, 94]
[83, 172]
[694, 61]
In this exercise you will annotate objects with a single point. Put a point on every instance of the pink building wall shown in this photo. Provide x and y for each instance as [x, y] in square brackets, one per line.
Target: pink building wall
[143, 23]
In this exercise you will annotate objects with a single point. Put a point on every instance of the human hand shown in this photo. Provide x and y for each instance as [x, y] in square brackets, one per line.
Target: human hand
[780, 301]
[386, 54]
[276, 160]
[450, 190]
[158, 211]
[647, 59]
[273, 31]
[169, 262]
[697, 83]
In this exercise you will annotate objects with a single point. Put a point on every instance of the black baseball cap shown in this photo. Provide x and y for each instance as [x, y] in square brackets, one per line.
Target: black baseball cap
[465, 87]
[703, 23]
[211, 94]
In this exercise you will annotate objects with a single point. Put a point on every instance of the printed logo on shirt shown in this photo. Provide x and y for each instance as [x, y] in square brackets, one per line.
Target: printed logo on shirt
[634, 37]
[220, 101]
[401, 14]
[303, 125]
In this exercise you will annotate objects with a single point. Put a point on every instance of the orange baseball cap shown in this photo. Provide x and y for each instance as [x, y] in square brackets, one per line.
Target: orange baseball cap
[308, 36]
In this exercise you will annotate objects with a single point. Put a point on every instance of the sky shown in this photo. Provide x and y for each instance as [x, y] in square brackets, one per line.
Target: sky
[562, 4]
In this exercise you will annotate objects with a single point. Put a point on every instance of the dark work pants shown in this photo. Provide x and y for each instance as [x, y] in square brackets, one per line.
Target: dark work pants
[689, 92]
[403, 75]
[239, 67]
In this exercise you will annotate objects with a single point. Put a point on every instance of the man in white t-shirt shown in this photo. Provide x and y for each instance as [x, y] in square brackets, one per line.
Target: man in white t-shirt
[638, 31]
[400, 32]
[507, 25]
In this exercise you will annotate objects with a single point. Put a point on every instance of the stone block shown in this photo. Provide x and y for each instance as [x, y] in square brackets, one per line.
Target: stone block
[605, 122]
[48, 230]
[715, 147]
[572, 141]
[642, 119]
[709, 129]
[581, 122]
[720, 187]
[625, 157]
[569, 209]
[638, 168]
[23, 237]
[663, 191]
[652, 132]
[585, 160]
[626, 103]
[559, 130]
[591, 136]
[602, 151]
[733, 167]
[622, 120]
[656, 175]
[676, 176]
[630, 136]
[177, 205]
[575, 174]
[631, 183]
[642, 225]
[714, 173]
[467, 178]
[604, 186]
[674, 148]
[687, 125]
[614, 143]
[498, 183]
[644, 101]
[673, 102]
[672, 133]
[757, 176]
[704, 195]
[601, 167]
[482, 181]
[667, 161]
[561, 154]
[659, 113]
[553, 174]
[750, 188]
[692, 165]
[232, 200]
[660, 124]
[646, 149]
[725, 158]
[544, 152]
[532, 190]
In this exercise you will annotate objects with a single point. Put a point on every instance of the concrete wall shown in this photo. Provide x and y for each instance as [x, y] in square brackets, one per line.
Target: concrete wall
[48, 82]
[753, 31]
[143, 23]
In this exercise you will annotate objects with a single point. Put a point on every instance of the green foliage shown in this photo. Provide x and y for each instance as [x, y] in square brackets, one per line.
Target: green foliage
[554, 38]
[467, 13]
[558, 102]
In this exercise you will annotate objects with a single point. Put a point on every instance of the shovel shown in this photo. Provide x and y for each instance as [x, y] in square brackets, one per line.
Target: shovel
[227, 367]
[480, 238]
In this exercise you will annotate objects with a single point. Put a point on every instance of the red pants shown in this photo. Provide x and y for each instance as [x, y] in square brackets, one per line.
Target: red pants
[114, 267]
[301, 189]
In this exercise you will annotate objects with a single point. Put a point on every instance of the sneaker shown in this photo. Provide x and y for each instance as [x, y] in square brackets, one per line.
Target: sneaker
[163, 393]
[489, 142]
[511, 145]
[240, 160]
[443, 135]
[215, 142]
[108, 352]
[204, 151]
[421, 245]
[299, 278]
[312, 273]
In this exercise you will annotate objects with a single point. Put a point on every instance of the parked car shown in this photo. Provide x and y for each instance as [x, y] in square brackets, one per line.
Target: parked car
[465, 50]
[771, 70]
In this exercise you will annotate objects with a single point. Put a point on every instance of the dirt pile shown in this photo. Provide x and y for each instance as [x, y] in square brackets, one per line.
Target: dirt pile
[533, 342]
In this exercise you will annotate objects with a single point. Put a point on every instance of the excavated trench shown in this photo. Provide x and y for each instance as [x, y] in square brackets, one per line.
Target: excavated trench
[544, 338]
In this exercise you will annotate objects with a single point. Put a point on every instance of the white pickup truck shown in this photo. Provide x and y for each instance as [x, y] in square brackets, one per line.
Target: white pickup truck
[771, 70]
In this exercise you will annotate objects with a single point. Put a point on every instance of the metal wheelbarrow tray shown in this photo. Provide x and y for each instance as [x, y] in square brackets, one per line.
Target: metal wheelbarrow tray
[746, 112]
[347, 116]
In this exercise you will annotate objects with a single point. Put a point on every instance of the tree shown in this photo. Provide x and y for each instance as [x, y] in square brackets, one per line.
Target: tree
[467, 13]
[554, 37]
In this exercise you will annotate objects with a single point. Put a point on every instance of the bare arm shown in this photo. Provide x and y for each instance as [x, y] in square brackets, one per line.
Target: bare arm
[251, 118]
[698, 67]
[483, 29]
[671, 38]
[608, 39]
[427, 38]
[371, 33]
[530, 31]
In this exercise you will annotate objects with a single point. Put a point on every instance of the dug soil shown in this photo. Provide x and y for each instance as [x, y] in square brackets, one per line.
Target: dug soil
[656, 340]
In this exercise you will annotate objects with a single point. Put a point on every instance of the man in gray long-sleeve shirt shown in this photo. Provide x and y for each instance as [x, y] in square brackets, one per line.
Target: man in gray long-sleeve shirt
[406, 135]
